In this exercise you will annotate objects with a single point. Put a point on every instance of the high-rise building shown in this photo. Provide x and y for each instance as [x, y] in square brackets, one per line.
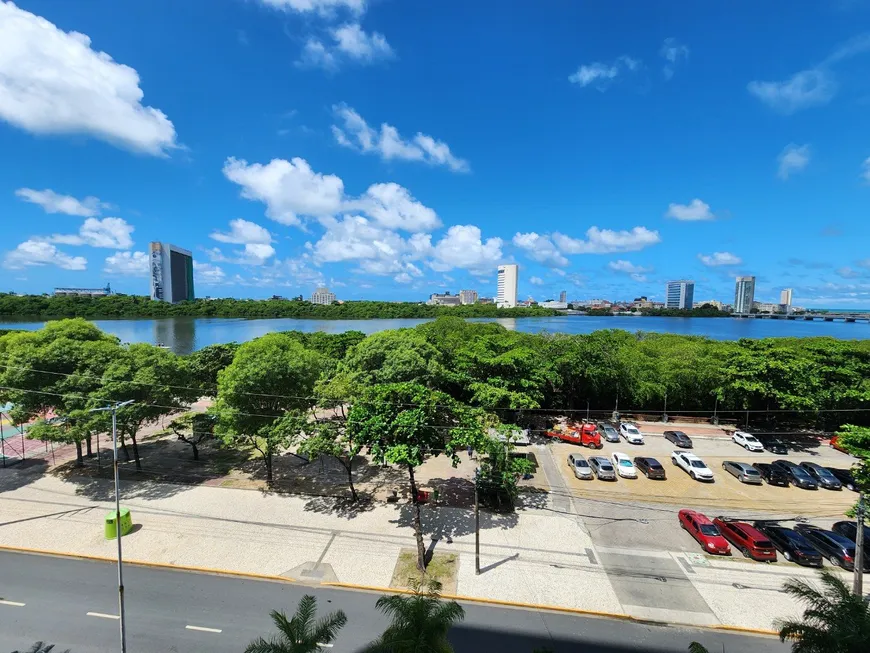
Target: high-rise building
[171, 273]
[785, 297]
[508, 276]
[467, 296]
[322, 296]
[744, 294]
[680, 294]
[563, 296]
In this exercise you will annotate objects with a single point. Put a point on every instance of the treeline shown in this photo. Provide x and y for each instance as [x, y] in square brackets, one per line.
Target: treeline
[137, 306]
[707, 310]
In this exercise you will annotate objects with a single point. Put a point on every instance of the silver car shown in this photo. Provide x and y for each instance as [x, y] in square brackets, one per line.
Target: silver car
[609, 432]
[580, 467]
[602, 468]
[743, 472]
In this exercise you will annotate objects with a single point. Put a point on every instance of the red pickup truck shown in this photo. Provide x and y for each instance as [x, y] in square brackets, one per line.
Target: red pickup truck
[583, 434]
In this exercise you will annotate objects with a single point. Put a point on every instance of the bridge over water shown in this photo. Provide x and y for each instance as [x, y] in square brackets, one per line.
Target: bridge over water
[809, 317]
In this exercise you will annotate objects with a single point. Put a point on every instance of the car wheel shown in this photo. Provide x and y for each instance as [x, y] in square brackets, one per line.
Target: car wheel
[850, 487]
[746, 446]
[692, 474]
[835, 562]
[787, 555]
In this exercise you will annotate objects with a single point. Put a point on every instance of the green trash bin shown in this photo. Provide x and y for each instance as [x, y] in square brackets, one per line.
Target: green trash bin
[126, 523]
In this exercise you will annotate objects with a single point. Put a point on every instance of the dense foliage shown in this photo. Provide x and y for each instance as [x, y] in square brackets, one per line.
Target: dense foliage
[706, 310]
[120, 306]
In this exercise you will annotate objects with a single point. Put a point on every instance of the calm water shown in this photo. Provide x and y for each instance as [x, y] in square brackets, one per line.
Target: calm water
[184, 335]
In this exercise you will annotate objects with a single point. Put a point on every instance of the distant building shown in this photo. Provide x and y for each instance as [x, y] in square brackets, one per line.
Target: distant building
[766, 307]
[83, 292]
[680, 294]
[485, 300]
[712, 302]
[467, 297]
[785, 296]
[171, 273]
[446, 299]
[744, 294]
[508, 276]
[322, 296]
[551, 303]
[642, 302]
[563, 296]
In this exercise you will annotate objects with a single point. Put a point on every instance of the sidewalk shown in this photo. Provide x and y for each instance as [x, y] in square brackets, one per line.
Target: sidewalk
[537, 556]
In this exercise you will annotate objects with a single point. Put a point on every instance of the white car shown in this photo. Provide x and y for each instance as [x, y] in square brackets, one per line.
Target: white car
[623, 465]
[747, 441]
[579, 466]
[631, 434]
[692, 465]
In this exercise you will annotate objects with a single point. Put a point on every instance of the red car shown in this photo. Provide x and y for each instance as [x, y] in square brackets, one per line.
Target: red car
[704, 531]
[750, 542]
[836, 445]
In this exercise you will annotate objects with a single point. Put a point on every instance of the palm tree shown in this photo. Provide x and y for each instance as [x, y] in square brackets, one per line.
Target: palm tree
[695, 647]
[301, 634]
[40, 647]
[420, 622]
[835, 621]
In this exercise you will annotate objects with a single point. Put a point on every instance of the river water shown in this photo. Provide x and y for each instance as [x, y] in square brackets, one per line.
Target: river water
[186, 334]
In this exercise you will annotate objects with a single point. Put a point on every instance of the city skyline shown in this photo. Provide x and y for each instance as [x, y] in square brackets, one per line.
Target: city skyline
[315, 181]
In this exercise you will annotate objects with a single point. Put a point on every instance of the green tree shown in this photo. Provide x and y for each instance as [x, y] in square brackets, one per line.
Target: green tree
[204, 364]
[301, 633]
[193, 429]
[835, 620]
[420, 622]
[334, 440]
[856, 440]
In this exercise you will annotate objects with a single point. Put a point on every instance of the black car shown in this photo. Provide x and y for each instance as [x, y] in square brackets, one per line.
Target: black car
[773, 475]
[679, 438]
[773, 445]
[797, 475]
[849, 529]
[823, 476]
[792, 545]
[651, 467]
[839, 550]
[845, 477]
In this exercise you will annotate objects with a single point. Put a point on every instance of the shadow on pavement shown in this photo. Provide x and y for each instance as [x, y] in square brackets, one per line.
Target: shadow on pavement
[21, 474]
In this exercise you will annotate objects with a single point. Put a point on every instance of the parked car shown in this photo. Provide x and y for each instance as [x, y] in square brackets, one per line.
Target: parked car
[692, 465]
[793, 546]
[797, 475]
[845, 477]
[746, 539]
[773, 444]
[679, 438]
[835, 444]
[576, 434]
[602, 468]
[743, 472]
[704, 531]
[650, 467]
[631, 433]
[579, 466]
[837, 549]
[747, 441]
[849, 529]
[773, 475]
[823, 476]
[608, 431]
[623, 465]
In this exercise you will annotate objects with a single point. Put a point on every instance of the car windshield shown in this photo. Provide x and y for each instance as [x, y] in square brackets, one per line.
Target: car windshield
[631, 429]
[625, 463]
[655, 464]
[790, 535]
[824, 473]
[698, 463]
[581, 463]
[800, 472]
[750, 472]
[764, 544]
[709, 529]
[606, 467]
[750, 438]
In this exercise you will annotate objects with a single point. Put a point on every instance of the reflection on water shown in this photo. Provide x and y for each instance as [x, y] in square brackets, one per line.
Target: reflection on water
[186, 334]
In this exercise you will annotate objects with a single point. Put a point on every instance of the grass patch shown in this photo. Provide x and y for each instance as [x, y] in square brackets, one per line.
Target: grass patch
[443, 567]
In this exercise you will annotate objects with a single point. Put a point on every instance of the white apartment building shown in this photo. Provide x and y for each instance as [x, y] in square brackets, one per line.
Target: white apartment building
[508, 276]
[680, 294]
[322, 296]
[785, 297]
[744, 294]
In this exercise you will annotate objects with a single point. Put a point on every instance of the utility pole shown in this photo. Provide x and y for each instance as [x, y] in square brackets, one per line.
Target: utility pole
[665, 411]
[858, 578]
[476, 523]
[114, 408]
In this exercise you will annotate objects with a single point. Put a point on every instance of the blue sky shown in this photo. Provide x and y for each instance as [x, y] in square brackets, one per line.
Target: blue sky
[393, 148]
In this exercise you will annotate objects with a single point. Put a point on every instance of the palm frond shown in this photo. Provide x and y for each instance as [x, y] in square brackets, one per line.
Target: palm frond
[305, 613]
[262, 646]
[695, 647]
[327, 628]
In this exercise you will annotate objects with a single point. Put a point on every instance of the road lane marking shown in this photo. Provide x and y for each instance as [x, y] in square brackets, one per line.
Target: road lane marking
[204, 630]
[14, 604]
[325, 645]
[103, 615]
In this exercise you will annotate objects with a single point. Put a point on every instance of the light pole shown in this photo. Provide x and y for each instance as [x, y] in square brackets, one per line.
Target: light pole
[858, 578]
[114, 408]
[476, 523]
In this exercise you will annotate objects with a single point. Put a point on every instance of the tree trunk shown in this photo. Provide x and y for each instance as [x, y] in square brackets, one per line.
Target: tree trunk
[79, 460]
[88, 445]
[267, 458]
[124, 449]
[418, 525]
[195, 450]
[349, 468]
[136, 453]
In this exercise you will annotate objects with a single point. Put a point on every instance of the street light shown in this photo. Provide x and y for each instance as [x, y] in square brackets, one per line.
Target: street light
[114, 408]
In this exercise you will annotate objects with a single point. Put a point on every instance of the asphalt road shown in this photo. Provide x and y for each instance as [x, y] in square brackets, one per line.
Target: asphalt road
[70, 603]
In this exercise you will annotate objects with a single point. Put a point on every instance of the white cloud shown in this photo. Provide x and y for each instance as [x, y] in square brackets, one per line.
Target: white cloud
[602, 74]
[131, 264]
[208, 274]
[804, 89]
[113, 233]
[316, 55]
[394, 207]
[52, 82]
[462, 247]
[695, 210]
[388, 143]
[793, 158]
[40, 252]
[719, 258]
[322, 7]
[52, 202]
[607, 241]
[403, 277]
[673, 53]
[287, 188]
[539, 248]
[536, 281]
[865, 170]
[350, 42]
[356, 237]
[243, 232]
[636, 272]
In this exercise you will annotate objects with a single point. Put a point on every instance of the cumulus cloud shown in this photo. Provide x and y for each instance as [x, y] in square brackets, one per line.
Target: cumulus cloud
[208, 274]
[602, 74]
[463, 247]
[636, 272]
[807, 88]
[536, 281]
[793, 158]
[114, 233]
[322, 7]
[539, 248]
[394, 207]
[130, 264]
[355, 237]
[607, 241]
[717, 259]
[388, 143]
[52, 202]
[865, 170]
[694, 211]
[243, 232]
[673, 53]
[40, 253]
[350, 43]
[52, 82]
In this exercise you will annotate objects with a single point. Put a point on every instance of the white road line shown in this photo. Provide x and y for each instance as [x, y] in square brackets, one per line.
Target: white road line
[205, 630]
[14, 604]
[103, 615]
[325, 645]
